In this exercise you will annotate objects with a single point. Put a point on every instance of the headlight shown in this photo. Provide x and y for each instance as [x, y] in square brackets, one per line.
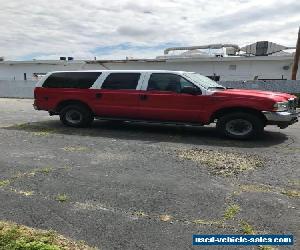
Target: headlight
[281, 106]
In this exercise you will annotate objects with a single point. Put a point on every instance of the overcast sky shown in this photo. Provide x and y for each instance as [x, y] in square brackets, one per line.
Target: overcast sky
[47, 29]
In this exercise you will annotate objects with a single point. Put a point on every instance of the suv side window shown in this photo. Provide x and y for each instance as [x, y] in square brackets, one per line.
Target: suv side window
[78, 80]
[186, 83]
[167, 82]
[121, 81]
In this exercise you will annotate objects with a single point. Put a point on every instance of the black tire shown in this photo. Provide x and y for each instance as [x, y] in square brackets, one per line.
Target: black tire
[76, 116]
[240, 125]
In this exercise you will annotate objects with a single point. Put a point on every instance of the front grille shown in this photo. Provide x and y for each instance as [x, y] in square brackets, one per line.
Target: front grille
[293, 104]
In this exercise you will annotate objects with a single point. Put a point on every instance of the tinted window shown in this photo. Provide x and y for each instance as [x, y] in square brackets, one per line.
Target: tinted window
[121, 81]
[167, 82]
[79, 80]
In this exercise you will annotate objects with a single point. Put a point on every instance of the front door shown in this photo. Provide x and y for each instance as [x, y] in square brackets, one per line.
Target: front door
[163, 100]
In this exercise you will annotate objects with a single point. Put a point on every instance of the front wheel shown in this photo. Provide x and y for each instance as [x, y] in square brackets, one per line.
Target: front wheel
[240, 125]
[76, 116]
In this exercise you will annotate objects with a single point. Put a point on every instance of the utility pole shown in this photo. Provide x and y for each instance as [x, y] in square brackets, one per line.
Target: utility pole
[296, 58]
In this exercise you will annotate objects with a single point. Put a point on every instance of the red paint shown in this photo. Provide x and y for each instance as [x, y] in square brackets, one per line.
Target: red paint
[158, 105]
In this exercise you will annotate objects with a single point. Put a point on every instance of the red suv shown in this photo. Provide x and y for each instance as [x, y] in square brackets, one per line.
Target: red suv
[161, 96]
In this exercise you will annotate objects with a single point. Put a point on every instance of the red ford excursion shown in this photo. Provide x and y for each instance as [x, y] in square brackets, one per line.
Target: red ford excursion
[161, 96]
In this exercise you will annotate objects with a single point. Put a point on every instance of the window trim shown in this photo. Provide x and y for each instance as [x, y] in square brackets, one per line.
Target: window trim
[40, 83]
[98, 83]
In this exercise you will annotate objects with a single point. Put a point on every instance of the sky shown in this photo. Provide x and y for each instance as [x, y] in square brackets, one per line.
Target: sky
[114, 29]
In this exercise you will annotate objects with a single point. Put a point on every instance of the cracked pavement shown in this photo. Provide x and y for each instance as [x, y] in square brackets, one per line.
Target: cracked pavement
[127, 188]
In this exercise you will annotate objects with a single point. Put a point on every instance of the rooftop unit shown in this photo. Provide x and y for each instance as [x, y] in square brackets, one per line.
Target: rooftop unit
[264, 48]
[261, 48]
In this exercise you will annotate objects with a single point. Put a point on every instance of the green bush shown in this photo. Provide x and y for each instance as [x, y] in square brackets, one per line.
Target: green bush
[14, 239]
[18, 237]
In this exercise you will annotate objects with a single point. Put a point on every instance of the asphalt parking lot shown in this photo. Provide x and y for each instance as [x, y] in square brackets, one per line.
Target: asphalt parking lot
[139, 186]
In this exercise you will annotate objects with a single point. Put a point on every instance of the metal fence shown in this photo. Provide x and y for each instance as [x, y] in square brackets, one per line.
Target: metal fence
[24, 89]
[288, 86]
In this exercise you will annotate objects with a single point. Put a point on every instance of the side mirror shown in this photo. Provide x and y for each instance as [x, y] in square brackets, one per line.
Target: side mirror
[190, 90]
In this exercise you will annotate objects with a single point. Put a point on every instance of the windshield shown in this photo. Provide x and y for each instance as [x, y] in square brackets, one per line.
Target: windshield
[204, 81]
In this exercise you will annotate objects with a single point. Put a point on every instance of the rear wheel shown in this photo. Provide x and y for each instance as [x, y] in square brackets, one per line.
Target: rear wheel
[240, 125]
[76, 116]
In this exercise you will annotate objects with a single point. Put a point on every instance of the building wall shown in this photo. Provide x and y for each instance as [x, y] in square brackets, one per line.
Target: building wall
[244, 69]
[16, 71]
[17, 88]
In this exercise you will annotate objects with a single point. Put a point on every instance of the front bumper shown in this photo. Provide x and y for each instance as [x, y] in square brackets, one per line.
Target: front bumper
[281, 119]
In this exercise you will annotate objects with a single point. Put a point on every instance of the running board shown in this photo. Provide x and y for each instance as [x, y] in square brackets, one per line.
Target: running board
[149, 121]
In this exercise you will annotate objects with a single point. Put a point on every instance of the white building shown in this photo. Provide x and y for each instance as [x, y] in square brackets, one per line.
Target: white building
[260, 61]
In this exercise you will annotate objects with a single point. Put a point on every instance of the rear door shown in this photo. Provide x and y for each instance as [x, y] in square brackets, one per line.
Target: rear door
[162, 99]
[118, 95]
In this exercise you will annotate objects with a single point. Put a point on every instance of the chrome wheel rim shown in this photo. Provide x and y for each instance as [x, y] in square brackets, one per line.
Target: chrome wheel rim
[239, 127]
[73, 117]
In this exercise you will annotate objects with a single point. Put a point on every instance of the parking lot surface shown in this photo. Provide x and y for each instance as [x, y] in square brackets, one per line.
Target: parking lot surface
[141, 186]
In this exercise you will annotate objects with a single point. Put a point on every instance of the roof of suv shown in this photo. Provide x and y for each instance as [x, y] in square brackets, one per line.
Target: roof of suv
[124, 71]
